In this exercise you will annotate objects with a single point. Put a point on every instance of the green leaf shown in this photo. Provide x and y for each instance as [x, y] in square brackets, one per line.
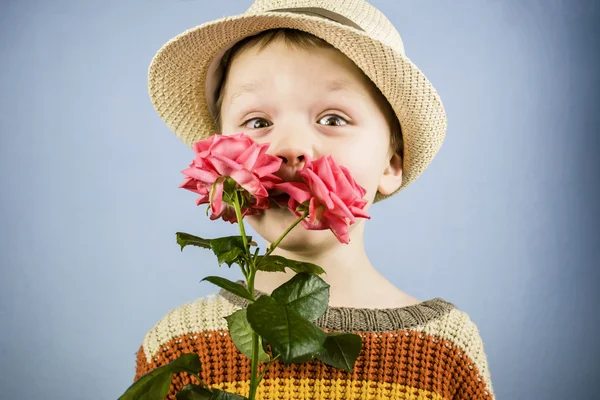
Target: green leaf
[233, 287]
[307, 294]
[241, 335]
[221, 395]
[270, 264]
[156, 383]
[189, 362]
[279, 263]
[290, 335]
[184, 239]
[229, 249]
[341, 350]
[195, 392]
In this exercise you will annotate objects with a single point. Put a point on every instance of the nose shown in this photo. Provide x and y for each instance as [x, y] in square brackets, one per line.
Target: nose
[292, 162]
[295, 143]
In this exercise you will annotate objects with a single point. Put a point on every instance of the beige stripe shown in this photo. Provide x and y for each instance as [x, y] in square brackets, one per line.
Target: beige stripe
[205, 313]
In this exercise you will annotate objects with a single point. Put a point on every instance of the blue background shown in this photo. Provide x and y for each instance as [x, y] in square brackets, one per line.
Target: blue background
[504, 223]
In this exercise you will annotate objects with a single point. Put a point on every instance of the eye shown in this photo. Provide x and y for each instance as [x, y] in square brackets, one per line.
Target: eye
[333, 117]
[254, 125]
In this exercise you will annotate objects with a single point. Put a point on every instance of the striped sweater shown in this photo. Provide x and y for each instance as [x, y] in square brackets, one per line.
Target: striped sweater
[430, 350]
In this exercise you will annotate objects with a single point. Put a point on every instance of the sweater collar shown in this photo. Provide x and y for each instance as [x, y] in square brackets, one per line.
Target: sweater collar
[367, 319]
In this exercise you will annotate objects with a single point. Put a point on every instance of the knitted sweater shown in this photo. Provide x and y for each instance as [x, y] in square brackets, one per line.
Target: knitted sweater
[430, 350]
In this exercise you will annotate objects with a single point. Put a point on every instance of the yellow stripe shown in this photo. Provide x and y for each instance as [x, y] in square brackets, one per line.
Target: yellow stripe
[292, 389]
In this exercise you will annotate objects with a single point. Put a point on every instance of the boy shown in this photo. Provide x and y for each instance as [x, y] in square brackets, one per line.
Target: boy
[317, 78]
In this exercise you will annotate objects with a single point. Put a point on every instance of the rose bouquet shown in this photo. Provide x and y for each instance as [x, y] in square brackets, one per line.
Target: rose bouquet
[236, 177]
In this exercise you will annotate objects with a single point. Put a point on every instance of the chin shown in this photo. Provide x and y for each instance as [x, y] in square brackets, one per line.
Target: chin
[273, 222]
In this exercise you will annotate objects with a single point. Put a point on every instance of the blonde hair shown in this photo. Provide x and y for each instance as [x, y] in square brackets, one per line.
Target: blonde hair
[305, 41]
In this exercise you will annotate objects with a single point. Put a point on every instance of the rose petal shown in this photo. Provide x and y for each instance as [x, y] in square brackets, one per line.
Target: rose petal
[346, 188]
[262, 203]
[188, 183]
[249, 157]
[204, 145]
[231, 146]
[341, 210]
[297, 190]
[223, 165]
[324, 171]
[359, 191]
[202, 200]
[267, 164]
[250, 182]
[229, 214]
[317, 187]
[359, 212]
[292, 206]
[216, 201]
[203, 175]
[316, 211]
[339, 229]
[269, 181]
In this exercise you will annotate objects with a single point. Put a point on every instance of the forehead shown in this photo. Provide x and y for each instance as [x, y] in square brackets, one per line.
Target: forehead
[253, 69]
[333, 86]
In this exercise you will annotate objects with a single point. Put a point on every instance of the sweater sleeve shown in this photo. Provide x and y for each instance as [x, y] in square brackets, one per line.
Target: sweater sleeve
[163, 356]
[142, 366]
[193, 327]
[474, 375]
[150, 355]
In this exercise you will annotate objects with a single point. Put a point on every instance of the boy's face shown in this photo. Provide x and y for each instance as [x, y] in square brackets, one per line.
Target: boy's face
[314, 102]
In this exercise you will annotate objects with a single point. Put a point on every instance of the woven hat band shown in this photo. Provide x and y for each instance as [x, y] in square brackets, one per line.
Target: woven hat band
[321, 12]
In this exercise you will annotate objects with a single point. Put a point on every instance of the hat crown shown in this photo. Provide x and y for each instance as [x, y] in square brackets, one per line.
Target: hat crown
[355, 13]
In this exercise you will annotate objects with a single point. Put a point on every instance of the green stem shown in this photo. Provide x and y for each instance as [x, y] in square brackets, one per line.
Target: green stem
[238, 213]
[254, 381]
[276, 243]
[200, 380]
[266, 368]
[249, 274]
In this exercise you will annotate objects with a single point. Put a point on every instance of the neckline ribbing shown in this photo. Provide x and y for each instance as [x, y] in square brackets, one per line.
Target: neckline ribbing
[366, 319]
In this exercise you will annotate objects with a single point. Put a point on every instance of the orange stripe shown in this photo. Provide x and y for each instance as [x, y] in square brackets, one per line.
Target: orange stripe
[418, 361]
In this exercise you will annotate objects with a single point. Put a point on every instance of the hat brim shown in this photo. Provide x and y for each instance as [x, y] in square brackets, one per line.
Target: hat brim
[178, 73]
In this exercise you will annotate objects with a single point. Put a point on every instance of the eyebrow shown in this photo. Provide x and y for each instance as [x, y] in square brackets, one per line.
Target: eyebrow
[341, 85]
[250, 87]
[334, 85]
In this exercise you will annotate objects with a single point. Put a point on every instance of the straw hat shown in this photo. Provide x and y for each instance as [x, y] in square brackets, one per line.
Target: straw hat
[184, 74]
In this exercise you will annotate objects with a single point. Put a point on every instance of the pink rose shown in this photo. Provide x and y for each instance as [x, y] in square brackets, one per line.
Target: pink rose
[239, 158]
[334, 198]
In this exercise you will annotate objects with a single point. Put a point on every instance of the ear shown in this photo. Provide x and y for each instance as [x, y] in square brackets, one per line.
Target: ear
[391, 178]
